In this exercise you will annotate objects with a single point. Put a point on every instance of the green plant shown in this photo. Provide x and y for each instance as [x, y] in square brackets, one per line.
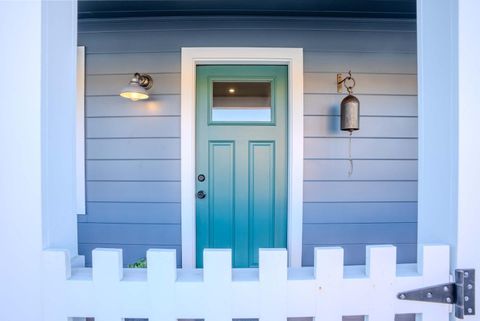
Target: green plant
[139, 264]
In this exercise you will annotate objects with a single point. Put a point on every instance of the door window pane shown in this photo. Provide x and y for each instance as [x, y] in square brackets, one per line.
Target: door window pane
[242, 102]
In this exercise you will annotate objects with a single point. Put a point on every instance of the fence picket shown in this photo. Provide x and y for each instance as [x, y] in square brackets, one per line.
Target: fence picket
[381, 270]
[328, 267]
[57, 269]
[273, 284]
[272, 292]
[217, 278]
[161, 274]
[107, 273]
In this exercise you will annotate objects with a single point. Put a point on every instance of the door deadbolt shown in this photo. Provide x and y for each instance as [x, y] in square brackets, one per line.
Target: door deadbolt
[201, 194]
[201, 177]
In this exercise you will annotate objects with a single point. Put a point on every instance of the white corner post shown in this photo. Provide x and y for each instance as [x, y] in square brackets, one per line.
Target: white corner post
[20, 171]
[293, 58]
[468, 221]
[59, 101]
[437, 122]
[37, 134]
[449, 114]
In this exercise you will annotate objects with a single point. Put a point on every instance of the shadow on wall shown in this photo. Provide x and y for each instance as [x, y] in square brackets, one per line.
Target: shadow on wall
[333, 125]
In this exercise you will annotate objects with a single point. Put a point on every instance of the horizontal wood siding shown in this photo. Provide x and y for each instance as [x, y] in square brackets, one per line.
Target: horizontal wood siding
[133, 148]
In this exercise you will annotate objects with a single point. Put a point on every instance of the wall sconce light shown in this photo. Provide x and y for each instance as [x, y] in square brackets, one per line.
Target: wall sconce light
[350, 106]
[137, 88]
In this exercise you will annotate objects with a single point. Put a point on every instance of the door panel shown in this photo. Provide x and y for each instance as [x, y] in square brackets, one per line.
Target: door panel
[241, 149]
[221, 196]
[262, 197]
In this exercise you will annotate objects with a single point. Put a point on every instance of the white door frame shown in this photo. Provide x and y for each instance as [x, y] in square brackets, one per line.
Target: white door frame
[293, 58]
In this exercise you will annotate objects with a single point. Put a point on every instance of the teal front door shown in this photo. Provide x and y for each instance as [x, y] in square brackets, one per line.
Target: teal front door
[241, 160]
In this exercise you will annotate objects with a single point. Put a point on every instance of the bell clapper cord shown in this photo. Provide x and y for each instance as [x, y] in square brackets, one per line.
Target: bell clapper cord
[350, 159]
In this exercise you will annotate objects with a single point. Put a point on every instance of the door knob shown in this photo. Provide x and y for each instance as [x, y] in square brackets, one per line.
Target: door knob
[201, 194]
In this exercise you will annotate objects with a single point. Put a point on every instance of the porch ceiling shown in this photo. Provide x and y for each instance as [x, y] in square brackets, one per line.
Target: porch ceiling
[403, 9]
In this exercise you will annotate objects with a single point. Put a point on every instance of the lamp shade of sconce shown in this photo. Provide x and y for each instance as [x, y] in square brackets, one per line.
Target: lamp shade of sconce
[137, 88]
[350, 113]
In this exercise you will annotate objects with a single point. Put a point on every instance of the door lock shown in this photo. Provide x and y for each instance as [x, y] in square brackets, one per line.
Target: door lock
[201, 177]
[201, 194]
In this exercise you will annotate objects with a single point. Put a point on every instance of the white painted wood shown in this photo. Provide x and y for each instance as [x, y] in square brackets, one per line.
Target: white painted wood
[468, 222]
[107, 271]
[448, 158]
[329, 277]
[57, 268]
[217, 277]
[381, 268]
[80, 132]
[161, 273]
[20, 119]
[293, 57]
[58, 133]
[437, 122]
[273, 284]
[328, 291]
[30, 203]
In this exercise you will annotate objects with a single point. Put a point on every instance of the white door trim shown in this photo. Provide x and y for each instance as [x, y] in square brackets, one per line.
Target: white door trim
[80, 134]
[293, 58]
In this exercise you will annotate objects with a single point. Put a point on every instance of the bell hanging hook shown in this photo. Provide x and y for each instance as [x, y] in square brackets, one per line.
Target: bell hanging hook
[348, 82]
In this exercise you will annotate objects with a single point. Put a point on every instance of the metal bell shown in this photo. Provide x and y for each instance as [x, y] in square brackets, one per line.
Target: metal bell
[350, 113]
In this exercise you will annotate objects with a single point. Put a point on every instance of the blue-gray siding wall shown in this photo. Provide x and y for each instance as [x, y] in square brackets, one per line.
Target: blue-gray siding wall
[133, 148]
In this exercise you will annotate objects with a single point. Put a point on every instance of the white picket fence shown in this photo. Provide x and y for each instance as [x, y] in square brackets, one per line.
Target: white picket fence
[272, 292]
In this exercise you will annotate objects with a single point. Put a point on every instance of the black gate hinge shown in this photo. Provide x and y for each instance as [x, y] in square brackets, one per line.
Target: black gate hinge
[461, 293]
